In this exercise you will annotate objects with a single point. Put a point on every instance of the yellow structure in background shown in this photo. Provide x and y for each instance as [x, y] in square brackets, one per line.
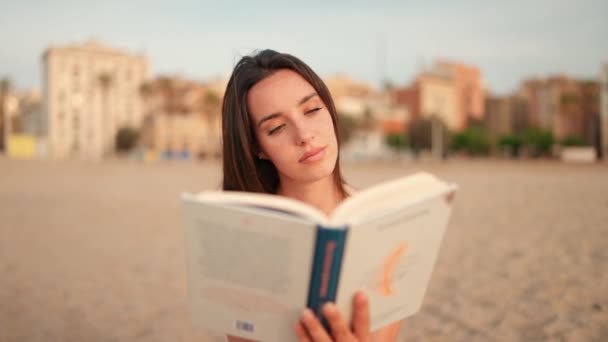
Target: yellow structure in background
[150, 155]
[22, 146]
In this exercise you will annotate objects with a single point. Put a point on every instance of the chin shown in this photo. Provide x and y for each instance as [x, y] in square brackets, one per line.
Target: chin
[319, 171]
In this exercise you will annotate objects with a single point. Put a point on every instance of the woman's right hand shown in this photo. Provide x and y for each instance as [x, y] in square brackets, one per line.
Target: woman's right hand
[309, 328]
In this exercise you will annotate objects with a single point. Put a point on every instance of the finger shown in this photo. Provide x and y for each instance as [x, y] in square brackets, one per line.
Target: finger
[314, 328]
[361, 317]
[339, 327]
[301, 332]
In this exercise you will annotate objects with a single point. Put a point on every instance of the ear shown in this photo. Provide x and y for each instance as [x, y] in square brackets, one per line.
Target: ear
[262, 155]
[257, 151]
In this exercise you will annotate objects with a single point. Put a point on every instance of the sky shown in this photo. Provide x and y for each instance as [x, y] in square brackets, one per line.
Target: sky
[371, 41]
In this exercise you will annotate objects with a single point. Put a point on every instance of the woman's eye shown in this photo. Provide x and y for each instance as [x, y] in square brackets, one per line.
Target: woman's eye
[276, 129]
[313, 110]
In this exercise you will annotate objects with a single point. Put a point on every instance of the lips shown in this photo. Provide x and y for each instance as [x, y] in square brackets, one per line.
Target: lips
[312, 155]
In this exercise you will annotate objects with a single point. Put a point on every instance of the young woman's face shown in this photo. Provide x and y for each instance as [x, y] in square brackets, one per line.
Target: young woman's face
[293, 127]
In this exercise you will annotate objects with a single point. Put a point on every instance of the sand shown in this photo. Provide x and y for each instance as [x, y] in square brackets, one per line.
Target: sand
[94, 251]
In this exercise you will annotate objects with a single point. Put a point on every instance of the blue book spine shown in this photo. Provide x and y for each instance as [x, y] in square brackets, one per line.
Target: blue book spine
[327, 262]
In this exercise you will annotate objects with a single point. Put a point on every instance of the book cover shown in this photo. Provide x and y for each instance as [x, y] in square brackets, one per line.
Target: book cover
[255, 261]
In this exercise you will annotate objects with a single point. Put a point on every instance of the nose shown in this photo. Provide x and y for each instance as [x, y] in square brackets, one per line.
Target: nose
[304, 135]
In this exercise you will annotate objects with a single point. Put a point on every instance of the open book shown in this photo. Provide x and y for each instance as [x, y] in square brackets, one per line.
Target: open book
[255, 261]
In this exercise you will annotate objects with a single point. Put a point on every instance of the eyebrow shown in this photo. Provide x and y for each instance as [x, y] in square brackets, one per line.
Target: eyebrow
[274, 115]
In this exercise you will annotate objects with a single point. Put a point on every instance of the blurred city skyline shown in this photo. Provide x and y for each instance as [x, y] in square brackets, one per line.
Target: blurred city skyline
[509, 42]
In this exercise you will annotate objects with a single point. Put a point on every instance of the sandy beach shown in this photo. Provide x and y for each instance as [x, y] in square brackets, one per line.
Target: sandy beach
[94, 251]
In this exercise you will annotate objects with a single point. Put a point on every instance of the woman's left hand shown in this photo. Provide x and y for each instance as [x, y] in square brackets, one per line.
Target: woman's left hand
[309, 329]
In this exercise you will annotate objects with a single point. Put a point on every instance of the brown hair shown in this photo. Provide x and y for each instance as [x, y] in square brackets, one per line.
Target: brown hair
[243, 169]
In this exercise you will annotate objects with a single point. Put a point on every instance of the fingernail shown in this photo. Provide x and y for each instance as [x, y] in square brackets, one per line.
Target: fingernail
[306, 314]
[329, 308]
[361, 297]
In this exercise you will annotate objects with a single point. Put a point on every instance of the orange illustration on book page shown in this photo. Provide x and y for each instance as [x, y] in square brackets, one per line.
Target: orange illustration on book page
[386, 282]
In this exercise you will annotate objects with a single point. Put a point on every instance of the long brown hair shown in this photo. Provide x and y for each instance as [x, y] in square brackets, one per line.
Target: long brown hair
[243, 169]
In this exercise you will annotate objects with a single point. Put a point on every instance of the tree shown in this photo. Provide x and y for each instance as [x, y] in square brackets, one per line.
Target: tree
[511, 143]
[538, 141]
[420, 133]
[346, 127]
[473, 140]
[573, 140]
[396, 141]
[126, 139]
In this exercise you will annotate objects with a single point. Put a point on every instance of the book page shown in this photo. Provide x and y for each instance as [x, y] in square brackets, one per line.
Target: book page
[248, 273]
[386, 196]
[272, 202]
[392, 258]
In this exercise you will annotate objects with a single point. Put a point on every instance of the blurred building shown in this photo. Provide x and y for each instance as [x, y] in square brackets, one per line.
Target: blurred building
[439, 98]
[22, 129]
[183, 119]
[538, 102]
[392, 118]
[351, 97]
[374, 114]
[29, 116]
[565, 106]
[342, 85]
[452, 92]
[9, 109]
[469, 89]
[604, 111]
[505, 115]
[90, 91]
[431, 95]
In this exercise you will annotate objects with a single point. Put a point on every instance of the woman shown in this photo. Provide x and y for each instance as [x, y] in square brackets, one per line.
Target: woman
[280, 136]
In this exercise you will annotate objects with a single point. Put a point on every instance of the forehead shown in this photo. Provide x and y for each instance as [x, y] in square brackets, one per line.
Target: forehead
[278, 92]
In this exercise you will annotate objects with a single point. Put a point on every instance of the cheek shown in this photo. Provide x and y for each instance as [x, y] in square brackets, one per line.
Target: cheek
[328, 128]
[275, 148]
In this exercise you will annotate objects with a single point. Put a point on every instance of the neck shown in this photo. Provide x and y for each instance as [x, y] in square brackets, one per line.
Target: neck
[322, 194]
